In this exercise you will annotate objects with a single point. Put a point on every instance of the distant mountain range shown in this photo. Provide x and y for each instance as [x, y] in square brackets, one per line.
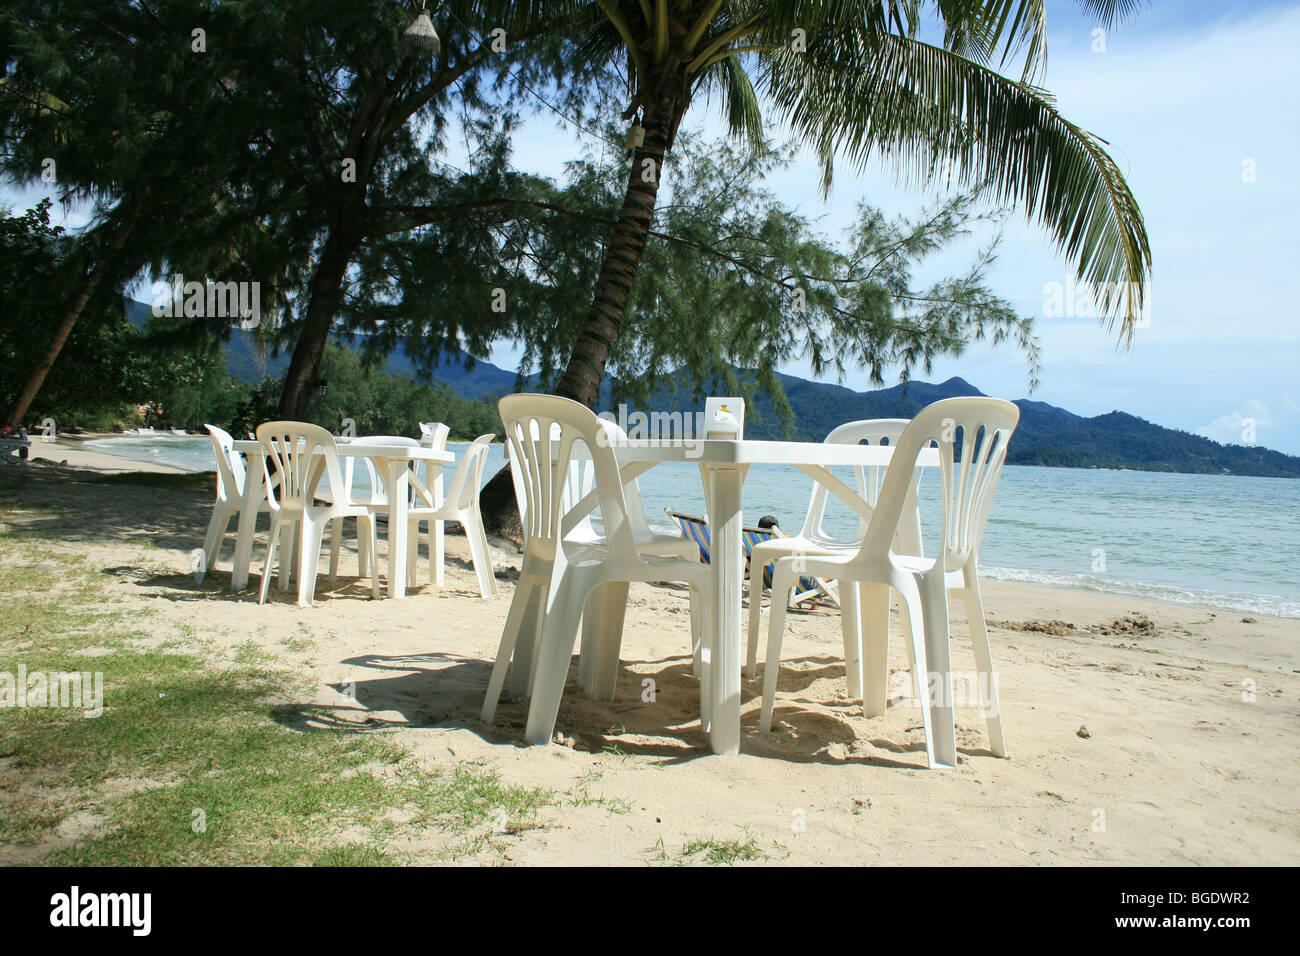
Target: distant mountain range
[1047, 435]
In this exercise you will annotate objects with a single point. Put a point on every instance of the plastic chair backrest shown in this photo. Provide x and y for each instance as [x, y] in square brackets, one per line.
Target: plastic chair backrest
[230, 464]
[469, 473]
[433, 435]
[293, 447]
[631, 490]
[871, 432]
[981, 429]
[578, 482]
[544, 468]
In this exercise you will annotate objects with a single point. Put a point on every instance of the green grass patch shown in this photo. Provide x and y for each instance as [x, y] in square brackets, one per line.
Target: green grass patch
[712, 852]
[196, 761]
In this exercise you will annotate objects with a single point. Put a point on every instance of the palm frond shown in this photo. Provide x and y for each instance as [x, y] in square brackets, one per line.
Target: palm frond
[744, 116]
[921, 106]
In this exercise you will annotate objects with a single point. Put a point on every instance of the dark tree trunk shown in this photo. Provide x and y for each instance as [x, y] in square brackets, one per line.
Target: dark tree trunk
[322, 306]
[20, 406]
[586, 369]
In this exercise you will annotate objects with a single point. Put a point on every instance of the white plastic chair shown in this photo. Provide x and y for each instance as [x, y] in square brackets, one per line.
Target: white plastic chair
[302, 454]
[434, 435]
[984, 427]
[376, 499]
[230, 493]
[815, 539]
[565, 576]
[580, 480]
[461, 504]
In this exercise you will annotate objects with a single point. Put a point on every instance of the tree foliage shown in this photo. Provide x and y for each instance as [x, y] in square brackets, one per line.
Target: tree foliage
[732, 279]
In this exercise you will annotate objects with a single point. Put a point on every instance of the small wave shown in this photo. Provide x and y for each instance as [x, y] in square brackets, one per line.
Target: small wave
[179, 451]
[1265, 604]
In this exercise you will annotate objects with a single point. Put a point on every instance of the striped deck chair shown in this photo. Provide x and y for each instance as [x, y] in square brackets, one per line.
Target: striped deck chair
[697, 529]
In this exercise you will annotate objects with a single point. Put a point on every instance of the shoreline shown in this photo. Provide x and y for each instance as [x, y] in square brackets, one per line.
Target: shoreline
[70, 448]
[1124, 590]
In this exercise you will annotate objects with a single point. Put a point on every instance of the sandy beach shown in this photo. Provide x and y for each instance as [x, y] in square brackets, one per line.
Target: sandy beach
[72, 450]
[1137, 733]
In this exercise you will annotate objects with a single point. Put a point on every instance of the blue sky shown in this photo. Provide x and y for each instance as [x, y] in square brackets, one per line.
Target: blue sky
[1185, 93]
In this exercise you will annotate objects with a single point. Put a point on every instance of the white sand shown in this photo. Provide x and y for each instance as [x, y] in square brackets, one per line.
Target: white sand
[72, 450]
[1183, 765]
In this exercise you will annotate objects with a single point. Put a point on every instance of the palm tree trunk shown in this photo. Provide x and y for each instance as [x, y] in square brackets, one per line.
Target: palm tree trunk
[322, 306]
[19, 407]
[586, 369]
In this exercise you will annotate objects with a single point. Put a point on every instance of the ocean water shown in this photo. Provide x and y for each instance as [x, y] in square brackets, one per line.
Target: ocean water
[1225, 541]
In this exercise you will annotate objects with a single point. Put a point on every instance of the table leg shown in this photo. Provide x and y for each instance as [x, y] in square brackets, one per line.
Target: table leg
[247, 523]
[438, 543]
[398, 490]
[725, 520]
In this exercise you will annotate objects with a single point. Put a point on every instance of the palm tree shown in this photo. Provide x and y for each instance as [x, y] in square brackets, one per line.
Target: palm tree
[852, 79]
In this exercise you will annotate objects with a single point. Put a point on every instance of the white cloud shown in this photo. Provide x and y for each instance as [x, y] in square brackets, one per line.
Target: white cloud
[1250, 427]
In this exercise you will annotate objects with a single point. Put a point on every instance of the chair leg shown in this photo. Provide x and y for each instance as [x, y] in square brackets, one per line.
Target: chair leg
[438, 553]
[782, 580]
[479, 553]
[366, 532]
[914, 628]
[555, 654]
[988, 678]
[588, 646]
[530, 632]
[755, 614]
[217, 525]
[272, 541]
[412, 552]
[308, 558]
[336, 541]
[905, 622]
[288, 552]
[515, 619]
[433, 564]
[874, 630]
[938, 657]
[701, 634]
[364, 556]
[609, 639]
[851, 626]
[697, 633]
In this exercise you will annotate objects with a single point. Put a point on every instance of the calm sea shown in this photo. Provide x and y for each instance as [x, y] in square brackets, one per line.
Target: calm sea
[1224, 541]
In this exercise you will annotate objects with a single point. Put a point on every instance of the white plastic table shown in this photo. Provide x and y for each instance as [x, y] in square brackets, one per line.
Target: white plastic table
[394, 460]
[724, 465]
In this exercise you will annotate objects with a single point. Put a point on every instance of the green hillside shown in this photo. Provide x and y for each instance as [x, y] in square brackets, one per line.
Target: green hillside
[1047, 435]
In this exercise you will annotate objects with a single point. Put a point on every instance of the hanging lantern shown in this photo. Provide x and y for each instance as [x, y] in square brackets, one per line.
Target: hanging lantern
[635, 136]
[421, 35]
